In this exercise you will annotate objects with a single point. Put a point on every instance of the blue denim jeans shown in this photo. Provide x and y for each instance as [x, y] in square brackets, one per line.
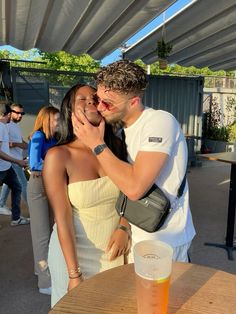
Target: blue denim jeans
[9, 177]
[23, 182]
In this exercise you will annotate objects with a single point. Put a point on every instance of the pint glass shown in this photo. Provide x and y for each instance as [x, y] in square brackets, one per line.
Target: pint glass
[153, 264]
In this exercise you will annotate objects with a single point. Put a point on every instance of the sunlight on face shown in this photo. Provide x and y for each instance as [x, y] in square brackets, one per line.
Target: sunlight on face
[86, 101]
[113, 105]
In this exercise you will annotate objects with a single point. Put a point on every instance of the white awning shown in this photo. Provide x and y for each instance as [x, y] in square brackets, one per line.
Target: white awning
[202, 34]
[96, 27]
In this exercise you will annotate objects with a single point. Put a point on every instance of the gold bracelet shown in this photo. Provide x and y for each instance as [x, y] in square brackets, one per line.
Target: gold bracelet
[74, 271]
[79, 276]
[126, 229]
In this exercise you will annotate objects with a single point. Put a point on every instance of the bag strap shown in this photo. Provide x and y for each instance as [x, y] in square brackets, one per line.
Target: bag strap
[182, 186]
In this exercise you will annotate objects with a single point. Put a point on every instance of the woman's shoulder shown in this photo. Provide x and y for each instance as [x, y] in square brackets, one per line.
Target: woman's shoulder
[38, 134]
[59, 151]
[56, 159]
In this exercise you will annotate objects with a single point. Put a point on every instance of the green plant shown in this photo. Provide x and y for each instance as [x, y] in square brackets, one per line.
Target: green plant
[232, 132]
[231, 108]
[211, 120]
[220, 134]
[163, 49]
[212, 123]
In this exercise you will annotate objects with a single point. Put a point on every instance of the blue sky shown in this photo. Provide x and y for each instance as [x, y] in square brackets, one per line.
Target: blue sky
[147, 29]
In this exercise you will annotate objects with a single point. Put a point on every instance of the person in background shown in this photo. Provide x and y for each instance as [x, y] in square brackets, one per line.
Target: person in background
[7, 173]
[87, 237]
[41, 139]
[157, 151]
[17, 146]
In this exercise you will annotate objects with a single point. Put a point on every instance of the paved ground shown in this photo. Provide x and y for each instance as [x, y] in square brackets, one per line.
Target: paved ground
[18, 284]
[209, 189]
[209, 186]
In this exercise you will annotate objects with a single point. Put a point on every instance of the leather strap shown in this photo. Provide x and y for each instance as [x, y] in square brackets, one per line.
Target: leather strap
[182, 186]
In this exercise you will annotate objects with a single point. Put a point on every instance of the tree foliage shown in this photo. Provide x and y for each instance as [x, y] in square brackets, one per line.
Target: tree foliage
[22, 59]
[62, 60]
[175, 69]
[59, 60]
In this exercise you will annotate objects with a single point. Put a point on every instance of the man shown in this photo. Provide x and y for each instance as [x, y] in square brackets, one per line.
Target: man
[7, 173]
[17, 146]
[156, 147]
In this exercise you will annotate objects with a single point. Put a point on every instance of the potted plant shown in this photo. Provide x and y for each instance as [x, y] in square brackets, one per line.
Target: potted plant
[216, 136]
[163, 51]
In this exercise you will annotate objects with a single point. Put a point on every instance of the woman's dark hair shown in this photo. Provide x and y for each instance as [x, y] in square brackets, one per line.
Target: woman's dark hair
[117, 145]
[66, 134]
[65, 129]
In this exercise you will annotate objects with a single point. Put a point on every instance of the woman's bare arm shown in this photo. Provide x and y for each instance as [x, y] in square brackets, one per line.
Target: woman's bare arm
[55, 181]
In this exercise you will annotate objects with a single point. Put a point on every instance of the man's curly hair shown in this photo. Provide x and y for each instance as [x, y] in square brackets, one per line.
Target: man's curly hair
[123, 76]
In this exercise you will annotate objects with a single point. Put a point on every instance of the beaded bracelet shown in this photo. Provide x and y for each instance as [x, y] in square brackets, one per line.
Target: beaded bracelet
[126, 229]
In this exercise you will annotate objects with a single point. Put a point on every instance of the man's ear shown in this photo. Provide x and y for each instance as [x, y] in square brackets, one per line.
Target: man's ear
[135, 101]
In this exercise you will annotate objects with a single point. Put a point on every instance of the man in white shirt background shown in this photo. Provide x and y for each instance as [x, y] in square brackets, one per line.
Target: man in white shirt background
[7, 173]
[17, 146]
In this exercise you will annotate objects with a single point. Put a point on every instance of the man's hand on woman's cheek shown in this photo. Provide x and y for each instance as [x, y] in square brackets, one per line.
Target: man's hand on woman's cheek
[90, 135]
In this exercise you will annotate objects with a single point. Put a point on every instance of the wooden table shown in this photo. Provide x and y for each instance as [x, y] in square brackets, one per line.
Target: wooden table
[229, 243]
[194, 290]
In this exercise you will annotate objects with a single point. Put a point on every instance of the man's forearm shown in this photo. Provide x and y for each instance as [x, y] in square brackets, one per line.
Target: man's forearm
[120, 172]
[7, 157]
[22, 145]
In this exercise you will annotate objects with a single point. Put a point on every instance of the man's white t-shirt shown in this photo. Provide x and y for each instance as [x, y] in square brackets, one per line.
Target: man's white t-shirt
[159, 131]
[15, 135]
[4, 146]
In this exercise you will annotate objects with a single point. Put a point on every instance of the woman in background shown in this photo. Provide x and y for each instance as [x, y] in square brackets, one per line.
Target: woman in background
[87, 237]
[41, 139]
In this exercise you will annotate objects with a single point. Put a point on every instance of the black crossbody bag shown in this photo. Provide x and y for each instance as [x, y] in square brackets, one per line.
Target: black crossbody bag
[149, 212]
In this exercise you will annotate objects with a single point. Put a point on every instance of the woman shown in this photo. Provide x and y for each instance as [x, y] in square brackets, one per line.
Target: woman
[41, 139]
[86, 238]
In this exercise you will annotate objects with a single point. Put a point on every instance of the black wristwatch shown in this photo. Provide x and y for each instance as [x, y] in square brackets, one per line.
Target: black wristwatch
[100, 148]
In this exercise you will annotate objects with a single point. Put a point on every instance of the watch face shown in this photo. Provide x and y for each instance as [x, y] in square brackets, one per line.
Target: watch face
[98, 149]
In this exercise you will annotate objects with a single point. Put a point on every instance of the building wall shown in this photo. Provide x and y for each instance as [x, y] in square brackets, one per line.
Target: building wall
[182, 96]
[223, 97]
